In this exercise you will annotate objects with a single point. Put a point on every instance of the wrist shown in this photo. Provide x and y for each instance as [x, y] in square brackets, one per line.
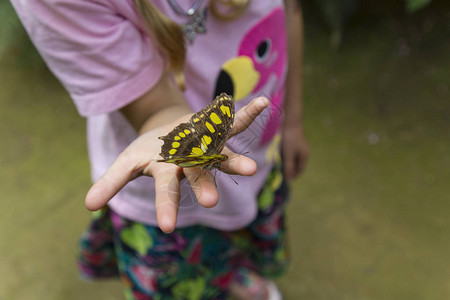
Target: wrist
[165, 116]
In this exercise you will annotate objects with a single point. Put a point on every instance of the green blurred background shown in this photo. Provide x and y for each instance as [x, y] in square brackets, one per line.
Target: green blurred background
[369, 219]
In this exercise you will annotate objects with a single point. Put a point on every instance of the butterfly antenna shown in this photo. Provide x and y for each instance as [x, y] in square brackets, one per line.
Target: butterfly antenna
[201, 174]
[215, 172]
[233, 179]
[198, 175]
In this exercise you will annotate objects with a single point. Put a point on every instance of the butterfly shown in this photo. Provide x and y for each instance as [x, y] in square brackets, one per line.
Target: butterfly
[199, 142]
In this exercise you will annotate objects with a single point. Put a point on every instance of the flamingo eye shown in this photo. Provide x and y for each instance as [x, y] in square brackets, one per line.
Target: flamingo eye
[263, 50]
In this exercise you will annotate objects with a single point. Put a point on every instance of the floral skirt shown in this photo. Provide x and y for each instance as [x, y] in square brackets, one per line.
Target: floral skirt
[195, 262]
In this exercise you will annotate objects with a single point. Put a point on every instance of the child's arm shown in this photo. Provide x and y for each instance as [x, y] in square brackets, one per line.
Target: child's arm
[155, 114]
[295, 149]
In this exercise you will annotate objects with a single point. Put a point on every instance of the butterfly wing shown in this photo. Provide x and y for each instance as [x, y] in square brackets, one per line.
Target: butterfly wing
[203, 138]
[216, 121]
[179, 142]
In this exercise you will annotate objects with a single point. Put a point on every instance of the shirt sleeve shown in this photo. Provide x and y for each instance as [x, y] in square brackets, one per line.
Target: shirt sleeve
[103, 59]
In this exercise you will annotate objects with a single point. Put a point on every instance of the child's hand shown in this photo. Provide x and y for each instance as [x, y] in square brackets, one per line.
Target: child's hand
[295, 150]
[140, 158]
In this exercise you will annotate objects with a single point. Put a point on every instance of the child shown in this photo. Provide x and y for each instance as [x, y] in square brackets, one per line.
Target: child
[135, 70]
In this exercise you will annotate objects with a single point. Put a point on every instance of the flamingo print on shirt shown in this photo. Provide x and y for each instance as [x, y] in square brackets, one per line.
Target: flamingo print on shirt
[259, 68]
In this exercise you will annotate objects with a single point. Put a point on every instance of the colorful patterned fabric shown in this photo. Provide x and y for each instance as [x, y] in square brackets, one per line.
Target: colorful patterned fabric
[195, 262]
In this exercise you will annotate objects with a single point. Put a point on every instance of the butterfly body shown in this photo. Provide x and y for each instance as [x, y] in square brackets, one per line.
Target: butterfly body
[199, 142]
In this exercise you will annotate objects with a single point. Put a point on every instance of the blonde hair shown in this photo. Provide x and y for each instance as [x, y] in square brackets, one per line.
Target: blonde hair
[169, 36]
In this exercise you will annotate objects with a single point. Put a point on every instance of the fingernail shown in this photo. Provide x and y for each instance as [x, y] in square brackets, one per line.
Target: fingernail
[266, 101]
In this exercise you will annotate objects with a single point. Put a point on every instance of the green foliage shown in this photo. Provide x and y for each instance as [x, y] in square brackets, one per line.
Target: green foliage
[15, 45]
[335, 13]
[415, 5]
[10, 25]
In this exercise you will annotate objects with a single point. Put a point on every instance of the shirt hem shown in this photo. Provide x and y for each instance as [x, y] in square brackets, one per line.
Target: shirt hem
[226, 223]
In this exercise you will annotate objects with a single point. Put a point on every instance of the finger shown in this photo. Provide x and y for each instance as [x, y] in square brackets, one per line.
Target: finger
[300, 165]
[238, 164]
[116, 177]
[289, 164]
[203, 184]
[300, 158]
[304, 157]
[246, 115]
[167, 197]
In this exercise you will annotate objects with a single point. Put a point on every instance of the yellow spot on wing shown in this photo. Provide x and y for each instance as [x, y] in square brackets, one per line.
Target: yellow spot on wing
[196, 119]
[177, 138]
[175, 144]
[210, 127]
[197, 151]
[172, 151]
[203, 147]
[225, 110]
[187, 131]
[182, 134]
[215, 118]
[206, 139]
